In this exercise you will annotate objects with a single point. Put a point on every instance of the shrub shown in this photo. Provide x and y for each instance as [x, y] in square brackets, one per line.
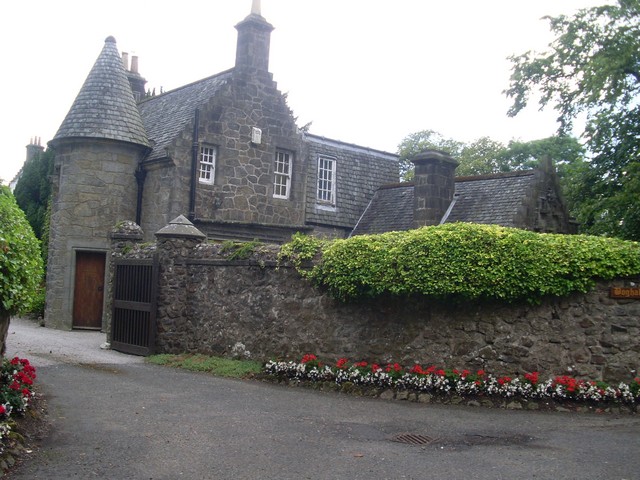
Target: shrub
[20, 260]
[239, 250]
[470, 262]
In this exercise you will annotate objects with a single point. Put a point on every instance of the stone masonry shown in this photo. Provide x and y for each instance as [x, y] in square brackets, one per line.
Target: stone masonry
[253, 307]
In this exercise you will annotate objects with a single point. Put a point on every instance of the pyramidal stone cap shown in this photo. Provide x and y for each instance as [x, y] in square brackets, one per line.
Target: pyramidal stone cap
[180, 227]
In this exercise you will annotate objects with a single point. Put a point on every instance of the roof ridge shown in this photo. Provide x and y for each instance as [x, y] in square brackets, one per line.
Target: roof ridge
[492, 176]
[182, 87]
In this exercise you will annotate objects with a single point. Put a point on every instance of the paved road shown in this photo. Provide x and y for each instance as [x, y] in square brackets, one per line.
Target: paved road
[116, 417]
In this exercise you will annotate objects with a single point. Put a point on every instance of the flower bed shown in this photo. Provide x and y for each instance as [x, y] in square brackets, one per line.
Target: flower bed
[446, 384]
[16, 392]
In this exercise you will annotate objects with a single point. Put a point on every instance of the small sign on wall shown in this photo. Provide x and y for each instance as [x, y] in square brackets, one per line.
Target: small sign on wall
[256, 136]
[625, 292]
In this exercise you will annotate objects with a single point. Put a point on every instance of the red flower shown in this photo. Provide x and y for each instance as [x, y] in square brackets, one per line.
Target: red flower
[503, 380]
[481, 373]
[26, 392]
[441, 373]
[417, 369]
[15, 361]
[309, 357]
[2, 410]
[375, 367]
[465, 373]
[393, 367]
[532, 377]
[360, 364]
[430, 370]
[342, 363]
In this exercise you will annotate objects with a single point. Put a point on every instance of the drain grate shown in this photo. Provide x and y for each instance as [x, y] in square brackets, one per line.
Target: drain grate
[413, 439]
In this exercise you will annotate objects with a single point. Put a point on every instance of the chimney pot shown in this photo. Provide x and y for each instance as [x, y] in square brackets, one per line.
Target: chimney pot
[134, 63]
[125, 60]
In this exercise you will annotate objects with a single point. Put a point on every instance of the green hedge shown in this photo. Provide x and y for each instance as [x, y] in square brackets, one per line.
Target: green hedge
[463, 261]
[20, 259]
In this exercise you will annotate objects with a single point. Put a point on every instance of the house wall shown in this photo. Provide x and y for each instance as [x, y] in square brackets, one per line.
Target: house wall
[240, 204]
[359, 173]
[94, 188]
[211, 305]
[243, 190]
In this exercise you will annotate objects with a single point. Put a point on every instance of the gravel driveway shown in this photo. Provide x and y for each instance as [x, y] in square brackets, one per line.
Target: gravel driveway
[115, 417]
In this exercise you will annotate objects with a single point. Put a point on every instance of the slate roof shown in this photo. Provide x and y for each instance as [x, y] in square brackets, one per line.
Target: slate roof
[105, 106]
[167, 114]
[488, 199]
[491, 199]
[390, 209]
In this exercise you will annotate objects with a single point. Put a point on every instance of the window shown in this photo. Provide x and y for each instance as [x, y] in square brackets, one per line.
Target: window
[327, 180]
[282, 178]
[207, 164]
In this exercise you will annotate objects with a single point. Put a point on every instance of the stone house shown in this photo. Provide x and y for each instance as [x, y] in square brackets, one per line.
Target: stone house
[528, 199]
[224, 151]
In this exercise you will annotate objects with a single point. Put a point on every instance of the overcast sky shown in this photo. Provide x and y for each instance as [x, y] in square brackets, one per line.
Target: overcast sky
[368, 72]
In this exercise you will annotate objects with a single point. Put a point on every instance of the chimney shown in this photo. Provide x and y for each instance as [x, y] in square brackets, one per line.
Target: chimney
[434, 186]
[34, 148]
[136, 81]
[254, 39]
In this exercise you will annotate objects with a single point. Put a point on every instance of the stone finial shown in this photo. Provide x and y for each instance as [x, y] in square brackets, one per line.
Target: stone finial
[180, 227]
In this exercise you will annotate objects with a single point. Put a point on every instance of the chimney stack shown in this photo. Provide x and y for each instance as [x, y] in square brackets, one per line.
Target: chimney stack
[134, 64]
[434, 186]
[34, 148]
[125, 60]
[254, 39]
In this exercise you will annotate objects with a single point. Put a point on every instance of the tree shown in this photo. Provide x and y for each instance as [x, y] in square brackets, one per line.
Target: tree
[481, 157]
[486, 156]
[417, 142]
[592, 68]
[33, 190]
[20, 262]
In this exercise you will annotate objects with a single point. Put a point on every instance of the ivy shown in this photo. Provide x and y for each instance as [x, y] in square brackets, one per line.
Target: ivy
[464, 262]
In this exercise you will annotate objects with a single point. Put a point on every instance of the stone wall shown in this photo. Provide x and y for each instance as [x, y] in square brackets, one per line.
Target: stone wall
[93, 188]
[254, 308]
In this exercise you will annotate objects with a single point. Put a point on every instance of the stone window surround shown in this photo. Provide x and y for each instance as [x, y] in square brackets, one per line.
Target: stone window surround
[326, 191]
[283, 166]
[207, 164]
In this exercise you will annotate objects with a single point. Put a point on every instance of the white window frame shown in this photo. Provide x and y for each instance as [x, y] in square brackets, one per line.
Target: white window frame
[282, 167]
[207, 164]
[326, 187]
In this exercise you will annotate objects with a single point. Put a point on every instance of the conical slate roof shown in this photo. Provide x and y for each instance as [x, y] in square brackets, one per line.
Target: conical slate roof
[105, 106]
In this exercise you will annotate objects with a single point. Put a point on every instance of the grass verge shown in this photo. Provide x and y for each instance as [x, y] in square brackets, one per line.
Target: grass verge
[223, 367]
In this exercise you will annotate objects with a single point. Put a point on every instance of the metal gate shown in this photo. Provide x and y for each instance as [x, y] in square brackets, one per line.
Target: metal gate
[133, 324]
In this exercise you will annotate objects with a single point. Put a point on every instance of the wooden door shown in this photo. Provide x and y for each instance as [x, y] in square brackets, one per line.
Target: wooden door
[88, 293]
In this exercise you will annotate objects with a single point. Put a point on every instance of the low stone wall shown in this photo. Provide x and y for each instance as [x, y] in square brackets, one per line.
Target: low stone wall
[210, 304]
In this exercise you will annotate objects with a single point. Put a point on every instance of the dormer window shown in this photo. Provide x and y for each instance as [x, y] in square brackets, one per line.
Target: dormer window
[282, 174]
[207, 172]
